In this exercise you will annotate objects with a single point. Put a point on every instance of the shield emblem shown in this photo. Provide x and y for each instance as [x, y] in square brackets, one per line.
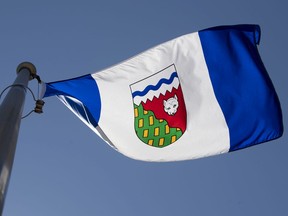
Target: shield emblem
[159, 108]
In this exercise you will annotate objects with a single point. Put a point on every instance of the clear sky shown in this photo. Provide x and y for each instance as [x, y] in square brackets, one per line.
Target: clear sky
[62, 168]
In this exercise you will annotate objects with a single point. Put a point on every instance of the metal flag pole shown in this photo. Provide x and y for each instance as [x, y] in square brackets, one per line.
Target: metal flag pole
[10, 118]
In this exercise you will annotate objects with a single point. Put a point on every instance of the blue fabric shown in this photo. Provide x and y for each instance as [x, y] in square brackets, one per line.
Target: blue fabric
[83, 89]
[241, 84]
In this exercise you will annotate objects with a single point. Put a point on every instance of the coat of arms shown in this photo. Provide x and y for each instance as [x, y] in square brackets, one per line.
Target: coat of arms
[159, 108]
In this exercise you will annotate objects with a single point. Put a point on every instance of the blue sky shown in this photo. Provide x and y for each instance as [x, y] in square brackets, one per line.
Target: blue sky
[62, 168]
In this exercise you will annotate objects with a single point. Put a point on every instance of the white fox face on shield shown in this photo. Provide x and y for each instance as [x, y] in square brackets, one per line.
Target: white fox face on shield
[171, 105]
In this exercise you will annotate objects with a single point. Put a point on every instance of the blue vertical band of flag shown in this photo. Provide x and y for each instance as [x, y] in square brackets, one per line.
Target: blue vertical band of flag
[85, 90]
[241, 84]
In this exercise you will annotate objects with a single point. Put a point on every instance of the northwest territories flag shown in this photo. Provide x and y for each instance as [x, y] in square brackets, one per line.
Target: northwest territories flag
[198, 95]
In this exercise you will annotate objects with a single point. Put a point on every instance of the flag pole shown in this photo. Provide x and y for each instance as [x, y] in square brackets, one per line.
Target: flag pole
[10, 118]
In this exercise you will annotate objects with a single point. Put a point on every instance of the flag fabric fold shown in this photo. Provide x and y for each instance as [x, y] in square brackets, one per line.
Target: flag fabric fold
[198, 95]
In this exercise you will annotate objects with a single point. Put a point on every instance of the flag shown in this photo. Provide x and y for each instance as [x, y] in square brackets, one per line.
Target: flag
[198, 95]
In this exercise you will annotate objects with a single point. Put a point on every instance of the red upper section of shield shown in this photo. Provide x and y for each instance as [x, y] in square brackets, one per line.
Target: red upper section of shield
[178, 120]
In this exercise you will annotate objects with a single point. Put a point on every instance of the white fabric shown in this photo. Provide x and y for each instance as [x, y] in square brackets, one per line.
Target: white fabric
[207, 132]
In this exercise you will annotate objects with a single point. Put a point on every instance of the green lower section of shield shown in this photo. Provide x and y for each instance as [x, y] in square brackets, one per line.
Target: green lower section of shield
[152, 131]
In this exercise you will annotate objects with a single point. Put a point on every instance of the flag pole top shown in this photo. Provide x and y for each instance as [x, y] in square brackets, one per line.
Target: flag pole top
[29, 66]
